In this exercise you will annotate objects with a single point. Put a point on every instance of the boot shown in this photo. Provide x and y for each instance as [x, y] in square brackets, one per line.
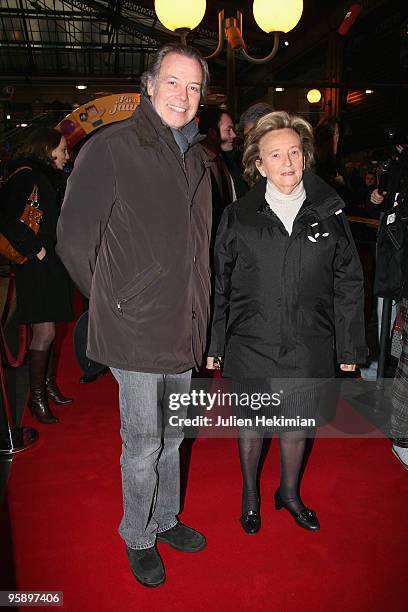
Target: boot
[53, 393]
[37, 402]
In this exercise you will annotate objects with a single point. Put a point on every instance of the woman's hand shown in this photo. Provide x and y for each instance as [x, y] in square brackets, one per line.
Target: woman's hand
[348, 367]
[41, 254]
[376, 197]
[213, 363]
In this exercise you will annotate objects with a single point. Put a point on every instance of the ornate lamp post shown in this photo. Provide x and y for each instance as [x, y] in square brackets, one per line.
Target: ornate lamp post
[275, 18]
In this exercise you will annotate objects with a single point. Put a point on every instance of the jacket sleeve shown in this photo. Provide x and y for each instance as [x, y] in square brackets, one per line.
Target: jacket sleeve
[21, 237]
[224, 263]
[348, 300]
[85, 212]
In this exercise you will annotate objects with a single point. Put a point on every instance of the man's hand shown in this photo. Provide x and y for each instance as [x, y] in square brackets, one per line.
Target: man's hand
[376, 197]
[213, 363]
[348, 367]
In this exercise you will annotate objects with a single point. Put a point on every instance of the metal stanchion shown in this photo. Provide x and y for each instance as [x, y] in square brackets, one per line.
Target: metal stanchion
[373, 400]
[17, 438]
[384, 339]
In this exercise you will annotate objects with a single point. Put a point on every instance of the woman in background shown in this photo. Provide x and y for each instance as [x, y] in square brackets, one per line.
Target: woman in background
[43, 287]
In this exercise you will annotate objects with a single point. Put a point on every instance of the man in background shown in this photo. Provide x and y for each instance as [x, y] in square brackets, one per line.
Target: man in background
[251, 115]
[216, 125]
[230, 155]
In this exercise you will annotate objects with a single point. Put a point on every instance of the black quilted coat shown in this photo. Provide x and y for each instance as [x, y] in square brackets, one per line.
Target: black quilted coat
[287, 306]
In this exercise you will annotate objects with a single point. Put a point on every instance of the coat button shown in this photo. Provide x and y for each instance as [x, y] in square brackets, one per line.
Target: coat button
[194, 259]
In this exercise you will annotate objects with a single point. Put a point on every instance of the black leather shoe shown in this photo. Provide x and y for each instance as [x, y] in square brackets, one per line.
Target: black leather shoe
[251, 522]
[88, 378]
[147, 566]
[183, 538]
[306, 518]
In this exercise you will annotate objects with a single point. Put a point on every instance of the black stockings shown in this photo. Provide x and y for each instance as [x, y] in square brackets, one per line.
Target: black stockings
[250, 446]
[43, 336]
[292, 448]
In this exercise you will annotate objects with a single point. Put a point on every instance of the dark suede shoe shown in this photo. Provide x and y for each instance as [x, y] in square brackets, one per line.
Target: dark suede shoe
[183, 538]
[147, 566]
[89, 378]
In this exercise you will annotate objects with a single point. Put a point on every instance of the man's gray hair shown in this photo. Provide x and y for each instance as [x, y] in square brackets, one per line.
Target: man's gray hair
[252, 114]
[153, 70]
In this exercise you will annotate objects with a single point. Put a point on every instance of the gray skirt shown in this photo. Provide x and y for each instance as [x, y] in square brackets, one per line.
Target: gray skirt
[399, 414]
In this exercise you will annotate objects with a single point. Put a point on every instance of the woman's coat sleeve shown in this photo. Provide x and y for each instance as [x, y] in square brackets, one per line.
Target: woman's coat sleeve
[348, 300]
[224, 263]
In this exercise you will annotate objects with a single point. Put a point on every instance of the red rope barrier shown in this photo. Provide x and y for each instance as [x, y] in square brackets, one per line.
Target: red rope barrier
[5, 397]
[14, 362]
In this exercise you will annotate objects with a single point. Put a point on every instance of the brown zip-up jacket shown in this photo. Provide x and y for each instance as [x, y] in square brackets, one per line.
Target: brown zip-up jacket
[134, 234]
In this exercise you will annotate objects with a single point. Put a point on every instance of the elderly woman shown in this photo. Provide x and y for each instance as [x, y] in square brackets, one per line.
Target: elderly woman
[288, 297]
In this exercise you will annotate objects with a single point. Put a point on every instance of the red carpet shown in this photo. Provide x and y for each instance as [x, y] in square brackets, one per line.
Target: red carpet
[64, 499]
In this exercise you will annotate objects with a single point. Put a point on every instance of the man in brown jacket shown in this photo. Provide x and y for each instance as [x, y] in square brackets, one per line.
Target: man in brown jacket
[134, 234]
[223, 192]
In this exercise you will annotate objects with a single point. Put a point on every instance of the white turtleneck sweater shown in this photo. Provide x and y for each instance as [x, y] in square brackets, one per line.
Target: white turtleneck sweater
[286, 207]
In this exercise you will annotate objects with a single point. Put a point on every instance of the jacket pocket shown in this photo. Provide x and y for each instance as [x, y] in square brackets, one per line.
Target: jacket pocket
[137, 285]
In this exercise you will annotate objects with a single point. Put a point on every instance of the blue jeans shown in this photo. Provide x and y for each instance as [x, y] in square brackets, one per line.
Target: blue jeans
[150, 457]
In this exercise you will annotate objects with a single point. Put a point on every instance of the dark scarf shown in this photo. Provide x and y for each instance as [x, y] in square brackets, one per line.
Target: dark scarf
[185, 136]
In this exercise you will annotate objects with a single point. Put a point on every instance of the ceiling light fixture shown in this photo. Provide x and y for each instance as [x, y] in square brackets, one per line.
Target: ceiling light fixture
[314, 96]
[275, 18]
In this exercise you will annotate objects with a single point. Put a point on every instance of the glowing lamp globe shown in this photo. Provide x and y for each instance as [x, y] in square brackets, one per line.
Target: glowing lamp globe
[180, 14]
[277, 16]
[313, 96]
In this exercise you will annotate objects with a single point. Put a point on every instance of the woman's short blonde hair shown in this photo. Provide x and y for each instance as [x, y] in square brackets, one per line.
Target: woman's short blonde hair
[278, 120]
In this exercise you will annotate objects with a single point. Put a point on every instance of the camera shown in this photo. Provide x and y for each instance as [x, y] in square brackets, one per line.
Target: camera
[394, 156]
[8, 90]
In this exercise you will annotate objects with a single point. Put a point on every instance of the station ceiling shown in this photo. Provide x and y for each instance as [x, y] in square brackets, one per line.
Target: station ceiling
[58, 39]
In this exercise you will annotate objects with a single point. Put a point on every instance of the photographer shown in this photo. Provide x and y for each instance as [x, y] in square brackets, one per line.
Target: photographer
[392, 184]
[398, 190]
[394, 177]
[395, 194]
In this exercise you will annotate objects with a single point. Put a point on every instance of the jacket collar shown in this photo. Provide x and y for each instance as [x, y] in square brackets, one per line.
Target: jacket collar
[55, 177]
[153, 120]
[324, 200]
[321, 202]
[150, 128]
